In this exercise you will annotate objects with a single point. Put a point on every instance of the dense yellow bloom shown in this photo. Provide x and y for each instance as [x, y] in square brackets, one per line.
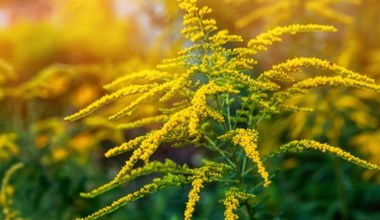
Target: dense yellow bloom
[197, 185]
[262, 41]
[211, 84]
[247, 139]
[199, 108]
[299, 146]
[253, 84]
[222, 37]
[177, 85]
[232, 200]
[196, 27]
[231, 204]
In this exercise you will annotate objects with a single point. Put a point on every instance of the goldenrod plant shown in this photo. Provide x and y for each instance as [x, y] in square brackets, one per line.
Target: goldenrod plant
[6, 193]
[215, 100]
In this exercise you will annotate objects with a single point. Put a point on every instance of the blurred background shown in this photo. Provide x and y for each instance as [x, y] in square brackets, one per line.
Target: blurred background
[56, 55]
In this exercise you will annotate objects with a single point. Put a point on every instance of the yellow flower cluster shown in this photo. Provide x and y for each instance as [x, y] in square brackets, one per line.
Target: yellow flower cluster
[301, 145]
[156, 185]
[247, 139]
[194, 103]
[262, 41]
[303, 86]
[196, 27]
[281, 71]
[174, 175]
[190, 117]
[135, 89]
[221, 38]
[154, 166]
[232, 200]
[6, 194]
[209, 172]
[197, 185]
[154, 90]
[199, 108]
[147, 75]
[231, 204]
[125, 147]
[8, 146]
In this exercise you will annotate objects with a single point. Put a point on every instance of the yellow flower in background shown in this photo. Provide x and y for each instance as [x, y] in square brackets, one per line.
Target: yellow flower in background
[81, 143]
[42, 140]
[84, 94]
[59, 154]
[8, 146]
[368, 143]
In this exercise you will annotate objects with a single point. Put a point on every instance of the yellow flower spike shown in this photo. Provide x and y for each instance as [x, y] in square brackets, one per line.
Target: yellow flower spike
[231, 204]
[263, 40]
[194, 197]
[303, 86]
[222, 37]
[6, 200]
[199, 108]
[154, 91]
[148, 146]
[196, 27]
[158, 184]
[153, 140]
[109, 98]
[125, 147]
[129, 164]
[176, 86]
[232, 201]
[247, 139]
[204, 10]
[147, 75]
[253, 84]
[174, 63]
[280, 71]
[155, 166]
[301, 145]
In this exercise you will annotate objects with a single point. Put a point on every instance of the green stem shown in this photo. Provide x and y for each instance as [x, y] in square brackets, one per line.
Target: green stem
[228, 112]
[338, 169]
[249, 210]
[221, 152]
